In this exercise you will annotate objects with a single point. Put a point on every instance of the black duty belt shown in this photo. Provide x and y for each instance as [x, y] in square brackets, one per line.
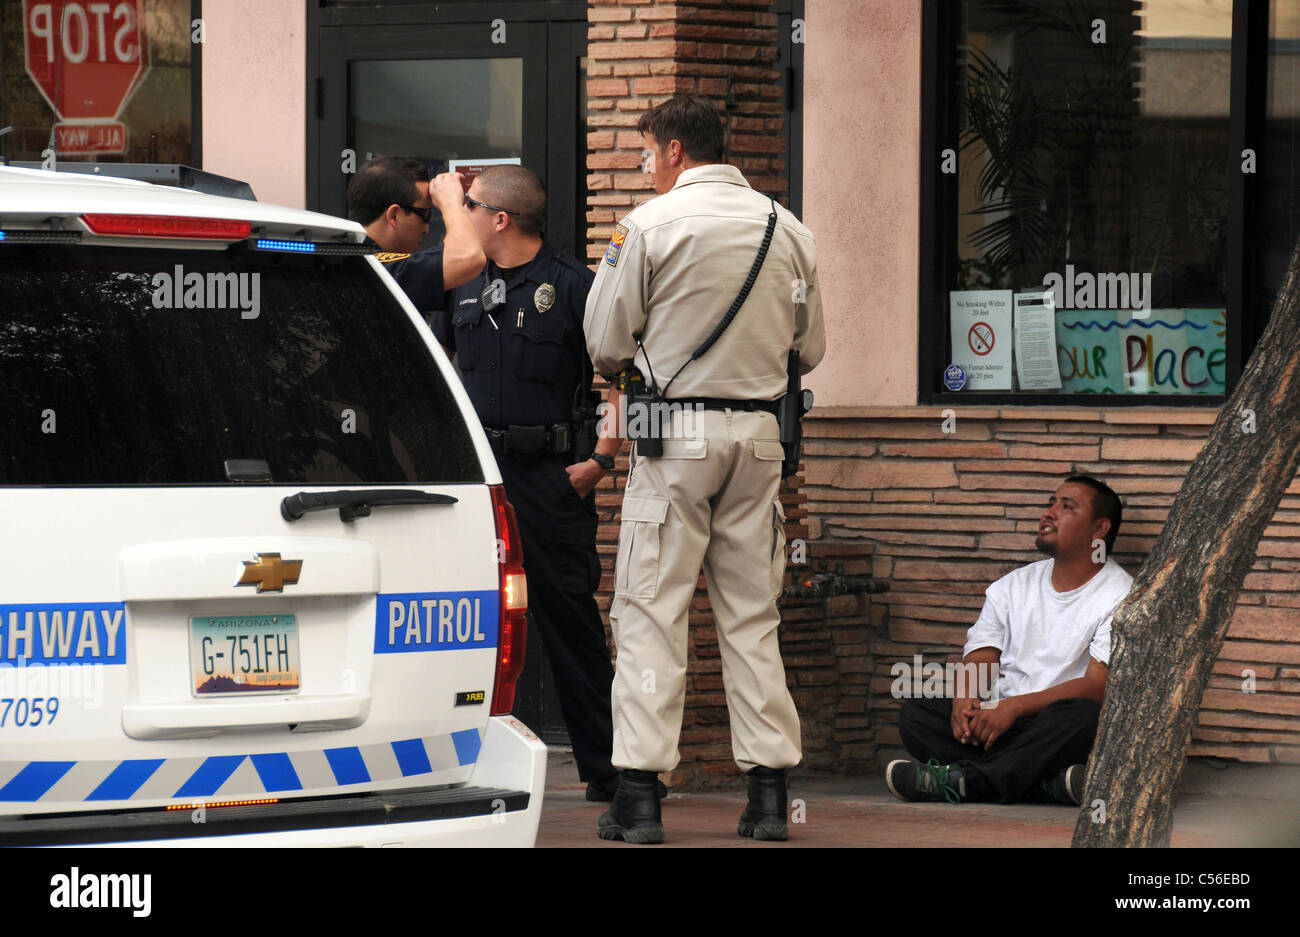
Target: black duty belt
[531, 440]
[720, 403]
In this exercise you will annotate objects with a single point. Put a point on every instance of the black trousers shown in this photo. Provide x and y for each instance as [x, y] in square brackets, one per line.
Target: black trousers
[558, 530]
[1033, 749]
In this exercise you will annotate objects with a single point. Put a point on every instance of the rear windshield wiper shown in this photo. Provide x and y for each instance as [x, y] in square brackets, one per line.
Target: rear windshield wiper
[354, 504]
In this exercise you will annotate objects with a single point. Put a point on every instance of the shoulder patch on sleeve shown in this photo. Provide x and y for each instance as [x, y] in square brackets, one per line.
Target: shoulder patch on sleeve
[615, 246]
[387, 257]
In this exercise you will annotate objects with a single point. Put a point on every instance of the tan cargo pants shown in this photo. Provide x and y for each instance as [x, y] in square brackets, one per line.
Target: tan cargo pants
[710, 499]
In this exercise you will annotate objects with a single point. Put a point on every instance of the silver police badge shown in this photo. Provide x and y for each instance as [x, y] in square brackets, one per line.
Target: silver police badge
[544, 298]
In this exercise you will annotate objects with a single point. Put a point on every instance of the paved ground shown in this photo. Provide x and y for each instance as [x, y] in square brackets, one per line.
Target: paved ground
[861, 812]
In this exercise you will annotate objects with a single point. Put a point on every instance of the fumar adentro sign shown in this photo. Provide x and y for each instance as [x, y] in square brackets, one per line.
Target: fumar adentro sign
[87, 57]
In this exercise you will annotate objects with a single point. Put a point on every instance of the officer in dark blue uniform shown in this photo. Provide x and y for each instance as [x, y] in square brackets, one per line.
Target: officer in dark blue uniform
[517, 332]
[392, 198]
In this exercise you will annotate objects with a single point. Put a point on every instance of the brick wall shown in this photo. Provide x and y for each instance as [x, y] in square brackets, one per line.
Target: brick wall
[941, 515]
[639, 54]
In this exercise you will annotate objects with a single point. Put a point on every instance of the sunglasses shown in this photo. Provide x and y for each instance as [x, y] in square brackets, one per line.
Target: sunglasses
[424, 213]
[470, 203]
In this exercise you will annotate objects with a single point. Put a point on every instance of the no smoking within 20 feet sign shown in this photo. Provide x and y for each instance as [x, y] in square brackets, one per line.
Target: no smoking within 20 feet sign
[981, 337]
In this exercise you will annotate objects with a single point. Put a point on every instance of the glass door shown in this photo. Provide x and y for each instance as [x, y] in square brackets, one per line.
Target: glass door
[445, 92]
[435, 93]
[450, 92]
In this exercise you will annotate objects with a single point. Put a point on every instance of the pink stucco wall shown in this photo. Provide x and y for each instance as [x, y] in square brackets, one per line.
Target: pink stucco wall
[255, 96]
[862, 126]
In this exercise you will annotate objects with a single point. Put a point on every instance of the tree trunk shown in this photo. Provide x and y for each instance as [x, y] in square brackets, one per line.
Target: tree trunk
[1168, 632]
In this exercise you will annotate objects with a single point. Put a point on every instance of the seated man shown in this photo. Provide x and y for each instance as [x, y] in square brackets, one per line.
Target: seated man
[1046, 629]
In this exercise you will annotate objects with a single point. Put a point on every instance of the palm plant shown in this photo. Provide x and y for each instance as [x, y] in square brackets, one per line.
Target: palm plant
[1054, 145]
[1006, 127]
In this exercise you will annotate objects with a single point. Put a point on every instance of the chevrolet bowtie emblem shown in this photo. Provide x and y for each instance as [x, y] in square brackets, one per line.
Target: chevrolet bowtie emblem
[270, 573]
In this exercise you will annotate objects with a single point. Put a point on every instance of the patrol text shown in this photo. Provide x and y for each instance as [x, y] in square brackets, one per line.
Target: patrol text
[435, 621]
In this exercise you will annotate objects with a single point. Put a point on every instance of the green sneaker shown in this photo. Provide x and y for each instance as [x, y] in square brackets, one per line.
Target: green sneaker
[909, 780]
[1066, 787]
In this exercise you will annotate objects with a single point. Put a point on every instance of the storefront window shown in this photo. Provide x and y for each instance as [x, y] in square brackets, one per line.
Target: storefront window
[1279, 168]
[1091, 205]
[96, 81]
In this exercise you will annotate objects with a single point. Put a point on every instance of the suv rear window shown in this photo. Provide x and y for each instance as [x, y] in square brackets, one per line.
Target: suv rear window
[111, 374]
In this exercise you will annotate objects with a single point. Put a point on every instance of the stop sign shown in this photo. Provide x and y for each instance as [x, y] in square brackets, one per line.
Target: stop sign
[86, 56]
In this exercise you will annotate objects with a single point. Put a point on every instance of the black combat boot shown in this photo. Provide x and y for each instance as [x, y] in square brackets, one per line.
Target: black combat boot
[764, 816]
[633, 816]
[602, 791]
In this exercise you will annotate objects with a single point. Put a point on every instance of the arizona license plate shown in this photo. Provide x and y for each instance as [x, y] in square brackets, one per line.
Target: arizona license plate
[244, 654]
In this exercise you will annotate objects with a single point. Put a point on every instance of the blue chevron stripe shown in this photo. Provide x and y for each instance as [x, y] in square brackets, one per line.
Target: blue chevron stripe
[348, 765]
[31, 781]
[276, 772]
[125, 779]
[411, 757]
[213, 773]
[467, 745]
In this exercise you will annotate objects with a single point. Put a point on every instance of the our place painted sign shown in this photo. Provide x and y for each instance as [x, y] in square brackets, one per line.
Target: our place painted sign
[1172, 351]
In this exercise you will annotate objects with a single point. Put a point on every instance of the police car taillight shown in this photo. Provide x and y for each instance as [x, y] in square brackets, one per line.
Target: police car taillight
[513, 604]
[166, 226]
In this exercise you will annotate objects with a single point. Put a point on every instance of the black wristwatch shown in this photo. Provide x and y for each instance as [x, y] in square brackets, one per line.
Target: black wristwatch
[604, 461]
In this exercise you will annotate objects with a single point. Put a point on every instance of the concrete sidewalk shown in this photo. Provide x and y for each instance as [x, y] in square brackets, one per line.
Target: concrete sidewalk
[862, 812]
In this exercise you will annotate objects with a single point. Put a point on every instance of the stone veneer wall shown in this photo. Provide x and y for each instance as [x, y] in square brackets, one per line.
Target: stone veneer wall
[940, 515]
[642, 52]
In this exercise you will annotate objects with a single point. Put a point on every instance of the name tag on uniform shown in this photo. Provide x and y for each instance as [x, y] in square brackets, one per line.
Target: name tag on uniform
[616, 246]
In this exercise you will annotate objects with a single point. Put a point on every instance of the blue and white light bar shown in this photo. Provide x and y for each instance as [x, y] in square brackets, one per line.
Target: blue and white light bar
[295, 247]
[24, 236]
[319, 248]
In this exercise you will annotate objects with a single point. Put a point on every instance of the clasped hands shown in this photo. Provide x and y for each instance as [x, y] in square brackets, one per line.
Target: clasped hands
[979, 724]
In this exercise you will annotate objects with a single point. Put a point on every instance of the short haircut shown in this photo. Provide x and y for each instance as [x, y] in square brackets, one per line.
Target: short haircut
[417, 169]
[381, 182]
[691, 119]
[1105, 503]
[515, 187]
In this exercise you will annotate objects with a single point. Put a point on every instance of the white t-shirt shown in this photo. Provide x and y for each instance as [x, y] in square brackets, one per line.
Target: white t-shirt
[1046, 637]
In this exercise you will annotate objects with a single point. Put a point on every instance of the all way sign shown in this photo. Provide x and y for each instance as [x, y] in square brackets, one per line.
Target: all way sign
[87, 59]
[90, 138]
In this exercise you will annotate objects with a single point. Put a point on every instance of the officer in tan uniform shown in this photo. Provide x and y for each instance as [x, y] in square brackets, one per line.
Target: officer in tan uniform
[674, 267]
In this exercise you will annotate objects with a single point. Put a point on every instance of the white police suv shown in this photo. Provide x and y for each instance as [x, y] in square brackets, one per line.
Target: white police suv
[259, 582]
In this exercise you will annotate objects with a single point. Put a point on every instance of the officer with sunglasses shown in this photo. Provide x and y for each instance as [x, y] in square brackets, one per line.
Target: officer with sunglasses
[517, 333]
[392, 198]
